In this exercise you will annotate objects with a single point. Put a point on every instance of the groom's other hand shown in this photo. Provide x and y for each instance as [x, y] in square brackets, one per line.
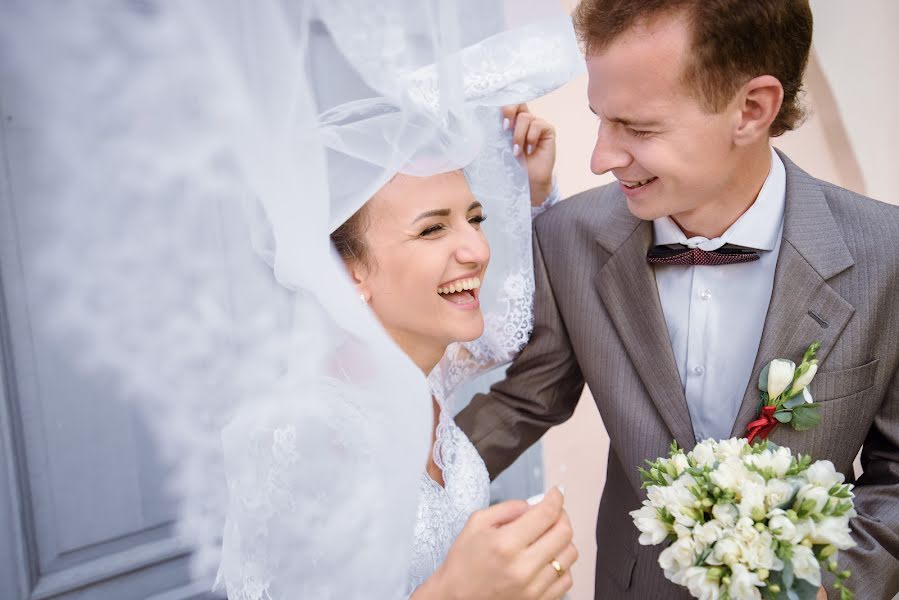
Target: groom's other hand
[533, 143]
[506, 552]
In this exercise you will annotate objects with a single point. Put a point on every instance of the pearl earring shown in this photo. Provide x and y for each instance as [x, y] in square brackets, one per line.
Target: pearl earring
[362, 298]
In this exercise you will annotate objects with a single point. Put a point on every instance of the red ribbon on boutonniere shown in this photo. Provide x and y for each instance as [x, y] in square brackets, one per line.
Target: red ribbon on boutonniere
[785, 397]
[764, 425]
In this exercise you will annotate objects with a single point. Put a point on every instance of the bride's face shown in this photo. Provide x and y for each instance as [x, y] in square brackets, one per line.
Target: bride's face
[426, 257]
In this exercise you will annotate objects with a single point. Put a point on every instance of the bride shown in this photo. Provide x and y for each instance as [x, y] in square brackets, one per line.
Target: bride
[418, 256]
[330, 490]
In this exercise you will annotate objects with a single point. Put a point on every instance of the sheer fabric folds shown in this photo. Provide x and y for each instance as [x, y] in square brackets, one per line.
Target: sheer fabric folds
[195, 157]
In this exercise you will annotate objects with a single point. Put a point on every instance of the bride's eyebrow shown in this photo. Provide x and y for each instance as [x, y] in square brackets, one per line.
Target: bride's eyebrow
[442, 212]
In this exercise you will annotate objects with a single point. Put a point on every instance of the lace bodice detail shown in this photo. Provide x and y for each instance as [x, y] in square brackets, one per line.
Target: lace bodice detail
[443, 511]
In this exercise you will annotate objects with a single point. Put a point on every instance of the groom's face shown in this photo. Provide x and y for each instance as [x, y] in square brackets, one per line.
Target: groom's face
[670, 155]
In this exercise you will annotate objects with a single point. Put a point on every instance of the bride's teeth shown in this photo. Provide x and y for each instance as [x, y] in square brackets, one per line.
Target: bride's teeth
[464, 284]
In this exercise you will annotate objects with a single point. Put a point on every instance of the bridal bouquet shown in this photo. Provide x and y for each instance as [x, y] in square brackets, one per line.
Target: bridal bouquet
[746, 520]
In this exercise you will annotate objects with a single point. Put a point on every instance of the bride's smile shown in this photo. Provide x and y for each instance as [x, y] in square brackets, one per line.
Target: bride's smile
[462, 292]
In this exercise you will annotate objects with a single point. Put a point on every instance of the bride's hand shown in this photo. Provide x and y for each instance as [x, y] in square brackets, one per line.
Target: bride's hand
[534, 142]
[505, 552]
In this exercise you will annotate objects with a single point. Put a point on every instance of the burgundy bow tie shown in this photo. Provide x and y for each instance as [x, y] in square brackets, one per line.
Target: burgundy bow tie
[678, 254]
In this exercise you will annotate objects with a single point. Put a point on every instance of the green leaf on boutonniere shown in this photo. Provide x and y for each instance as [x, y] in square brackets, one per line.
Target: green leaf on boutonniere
[805, 416]
[797, 400]
[784, 416]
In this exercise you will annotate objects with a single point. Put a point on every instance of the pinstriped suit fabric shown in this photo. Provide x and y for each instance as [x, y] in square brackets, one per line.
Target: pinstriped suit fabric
[599, 321]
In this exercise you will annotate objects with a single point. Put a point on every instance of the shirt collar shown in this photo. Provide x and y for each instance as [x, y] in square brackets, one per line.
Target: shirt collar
[758, 228]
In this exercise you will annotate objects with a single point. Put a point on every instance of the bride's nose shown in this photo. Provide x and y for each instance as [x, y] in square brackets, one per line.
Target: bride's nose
[473, 248]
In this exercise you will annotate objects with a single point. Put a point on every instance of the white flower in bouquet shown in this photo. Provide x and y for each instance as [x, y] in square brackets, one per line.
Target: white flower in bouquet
[774, 464]
[654, 530]
[704, 454]
[813, 496]
[731, 472]
[805, 565]
[824, 474]
[778, 492]
[701, 584]
[752, 498]
[726, 514]
[727, 551]
[733, 447]
[760, 554]
[677, 557]
[832, 530]
[706, 534]
[744, 583]
[746, 521]
[679, 501]
[680, 463]
[782, 528]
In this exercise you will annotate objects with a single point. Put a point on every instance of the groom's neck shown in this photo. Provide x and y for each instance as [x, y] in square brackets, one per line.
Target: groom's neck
[738, 192]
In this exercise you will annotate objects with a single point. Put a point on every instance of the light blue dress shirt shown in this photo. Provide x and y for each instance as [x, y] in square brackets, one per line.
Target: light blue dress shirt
[715, 314]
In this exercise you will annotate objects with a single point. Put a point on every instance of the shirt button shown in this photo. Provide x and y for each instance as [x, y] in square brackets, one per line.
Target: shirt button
[699, 370]
[705, 294]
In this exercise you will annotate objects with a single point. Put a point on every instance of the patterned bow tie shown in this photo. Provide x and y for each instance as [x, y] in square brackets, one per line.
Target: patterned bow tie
[678, 254]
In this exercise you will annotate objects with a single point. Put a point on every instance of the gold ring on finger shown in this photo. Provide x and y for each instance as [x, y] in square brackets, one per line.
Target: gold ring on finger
[560, 570]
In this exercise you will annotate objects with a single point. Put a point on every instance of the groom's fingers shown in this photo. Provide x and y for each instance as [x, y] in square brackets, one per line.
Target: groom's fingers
[537, 521]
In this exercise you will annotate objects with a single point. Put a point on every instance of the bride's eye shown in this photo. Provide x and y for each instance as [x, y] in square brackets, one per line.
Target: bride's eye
[477, 219]
[431, 230]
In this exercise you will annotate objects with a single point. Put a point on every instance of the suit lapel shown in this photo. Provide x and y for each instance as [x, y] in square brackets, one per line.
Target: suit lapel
[627, 286]
[804, 308]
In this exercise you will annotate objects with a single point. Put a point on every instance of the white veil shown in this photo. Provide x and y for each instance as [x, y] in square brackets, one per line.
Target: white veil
[189, 140]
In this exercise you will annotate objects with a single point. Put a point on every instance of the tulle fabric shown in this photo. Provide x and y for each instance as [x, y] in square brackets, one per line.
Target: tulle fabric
[195, 157]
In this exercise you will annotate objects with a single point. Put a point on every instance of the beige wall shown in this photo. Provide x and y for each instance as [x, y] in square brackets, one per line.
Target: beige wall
[851, 139]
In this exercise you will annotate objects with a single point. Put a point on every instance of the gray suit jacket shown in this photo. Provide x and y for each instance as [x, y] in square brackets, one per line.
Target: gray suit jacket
[598, 319]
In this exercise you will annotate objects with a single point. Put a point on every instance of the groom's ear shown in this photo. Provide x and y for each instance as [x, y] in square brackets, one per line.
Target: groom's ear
[758, 102]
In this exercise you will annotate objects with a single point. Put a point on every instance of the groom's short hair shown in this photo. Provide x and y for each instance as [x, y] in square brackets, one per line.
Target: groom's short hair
[733, 41]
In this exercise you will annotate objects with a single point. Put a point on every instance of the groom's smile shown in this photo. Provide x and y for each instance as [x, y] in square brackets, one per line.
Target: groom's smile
[632, 188]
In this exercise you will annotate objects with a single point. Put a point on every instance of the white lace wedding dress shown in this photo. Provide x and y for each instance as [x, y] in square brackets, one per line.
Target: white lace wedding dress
[444, 510]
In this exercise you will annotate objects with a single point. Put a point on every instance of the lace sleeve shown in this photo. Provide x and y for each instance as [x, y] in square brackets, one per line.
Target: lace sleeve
[295, 523]
[550, 201]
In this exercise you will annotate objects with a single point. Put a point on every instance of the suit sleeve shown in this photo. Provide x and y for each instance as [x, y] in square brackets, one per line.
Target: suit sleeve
[874, 562]
[541, 388]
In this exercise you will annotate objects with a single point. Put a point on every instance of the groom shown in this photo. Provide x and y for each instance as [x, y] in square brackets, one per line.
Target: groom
[688, 94]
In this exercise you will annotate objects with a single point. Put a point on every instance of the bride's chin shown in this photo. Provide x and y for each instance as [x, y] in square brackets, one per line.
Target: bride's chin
[472, 332]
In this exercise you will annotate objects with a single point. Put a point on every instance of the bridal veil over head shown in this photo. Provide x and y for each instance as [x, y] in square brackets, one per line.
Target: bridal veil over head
[199, 153]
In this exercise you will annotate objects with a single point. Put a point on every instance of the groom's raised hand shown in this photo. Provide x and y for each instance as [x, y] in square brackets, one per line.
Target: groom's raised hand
[534, 144]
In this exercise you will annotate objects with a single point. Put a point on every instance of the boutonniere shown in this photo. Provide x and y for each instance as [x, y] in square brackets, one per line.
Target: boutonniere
[785, 397]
